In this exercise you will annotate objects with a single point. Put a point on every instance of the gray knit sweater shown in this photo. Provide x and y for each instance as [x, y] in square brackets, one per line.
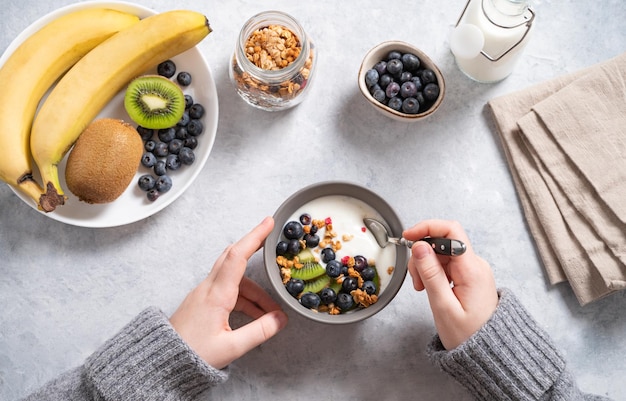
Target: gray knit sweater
[510, 358]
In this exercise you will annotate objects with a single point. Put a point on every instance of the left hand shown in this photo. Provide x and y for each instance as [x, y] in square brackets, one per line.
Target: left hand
[202, 319]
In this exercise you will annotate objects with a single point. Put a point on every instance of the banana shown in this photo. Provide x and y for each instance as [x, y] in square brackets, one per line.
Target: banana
[28, 74]
[94, 80]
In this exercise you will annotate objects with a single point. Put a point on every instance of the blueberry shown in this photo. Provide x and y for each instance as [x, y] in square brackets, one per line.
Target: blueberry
[174, 146]
[152, 195]
[371, 77]
[312, 240]
[188, 101]
[368, 273]
[344, 270]
[148, 159]
[183, 78]
[145, 133]
[281, 248]
[410, 105]
[167, 69]
[294, 286]
[163, 184]
[184, 120]
[181, 132]
[349, 284]
[149, 145]
[408, 89]
[172, 162]
[428, 76]
[146, 182]
[411, 62]
[293, 230]
[418, 82]
[395, 103]
[360, 263]
[328, 296]
[431, 92]
[369, 287]
[196, 111]
[160, 168]
[420, 98]
[161, 149]
[293, 247]
[394, 66]
[310, 300]
[392, 89]
[327, 255]
[379, 95]
[385, 80]
[313, 229]
[381, 67]
[333, 268]
[344, 301]
[186, 156]
[191, 142]
[195, 127]
[305, 219]
[394, 55]
[405, 76]
[167, 134]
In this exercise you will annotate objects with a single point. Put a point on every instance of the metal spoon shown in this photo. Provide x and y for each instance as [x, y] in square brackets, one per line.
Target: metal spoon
[442, 246]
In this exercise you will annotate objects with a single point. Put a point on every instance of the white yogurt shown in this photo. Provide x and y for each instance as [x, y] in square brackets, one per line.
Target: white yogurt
[347, 215]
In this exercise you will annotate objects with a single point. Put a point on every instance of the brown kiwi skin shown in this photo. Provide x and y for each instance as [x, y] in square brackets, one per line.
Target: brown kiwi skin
[103, 161]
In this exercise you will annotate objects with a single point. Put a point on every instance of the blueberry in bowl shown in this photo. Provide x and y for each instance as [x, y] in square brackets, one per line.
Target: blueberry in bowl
[323, 262]
[401, 81]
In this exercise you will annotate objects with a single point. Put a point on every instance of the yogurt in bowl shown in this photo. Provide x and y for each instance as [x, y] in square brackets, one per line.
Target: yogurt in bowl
[337, 210]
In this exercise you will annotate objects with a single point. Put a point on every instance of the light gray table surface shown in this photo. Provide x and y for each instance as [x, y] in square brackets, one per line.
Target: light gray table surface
[65, 289]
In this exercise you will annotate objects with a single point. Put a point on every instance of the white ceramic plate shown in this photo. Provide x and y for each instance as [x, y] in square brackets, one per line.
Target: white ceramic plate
[133, 205]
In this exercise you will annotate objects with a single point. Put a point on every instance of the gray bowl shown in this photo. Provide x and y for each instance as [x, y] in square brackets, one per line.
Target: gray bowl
[307, 194]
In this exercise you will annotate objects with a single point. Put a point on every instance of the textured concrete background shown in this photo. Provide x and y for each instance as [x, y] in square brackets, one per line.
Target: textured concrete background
[66, 289]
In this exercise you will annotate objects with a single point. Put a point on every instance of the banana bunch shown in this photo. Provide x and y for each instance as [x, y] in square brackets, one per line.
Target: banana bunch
[98, 70]
[98, 76]
[28, 74]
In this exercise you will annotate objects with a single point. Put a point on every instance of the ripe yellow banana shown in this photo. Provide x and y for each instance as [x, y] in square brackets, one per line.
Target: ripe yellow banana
[93, 81]
[28, 74]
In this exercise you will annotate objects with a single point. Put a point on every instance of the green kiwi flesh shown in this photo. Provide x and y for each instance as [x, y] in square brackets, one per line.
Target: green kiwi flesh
[309, 271]
[154, 102]
[316, 285]
[306, 256]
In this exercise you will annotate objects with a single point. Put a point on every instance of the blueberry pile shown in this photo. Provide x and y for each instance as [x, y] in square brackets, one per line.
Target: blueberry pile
[167, 150]
[327, 285]
[401, 83]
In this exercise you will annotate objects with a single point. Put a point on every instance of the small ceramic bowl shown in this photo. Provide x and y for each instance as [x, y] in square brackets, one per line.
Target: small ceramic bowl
[349, 203]
[379, 53]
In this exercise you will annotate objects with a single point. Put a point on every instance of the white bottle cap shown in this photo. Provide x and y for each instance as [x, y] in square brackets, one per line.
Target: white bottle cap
[466, 41]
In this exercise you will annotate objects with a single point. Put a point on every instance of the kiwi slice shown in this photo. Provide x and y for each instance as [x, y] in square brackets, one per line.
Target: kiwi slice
[316, 285]
[309, 271]
[154, 102]
[306, 256]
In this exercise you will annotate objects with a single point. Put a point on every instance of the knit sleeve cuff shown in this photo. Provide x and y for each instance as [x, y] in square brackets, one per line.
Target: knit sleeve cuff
[510, 357]
[147, 359]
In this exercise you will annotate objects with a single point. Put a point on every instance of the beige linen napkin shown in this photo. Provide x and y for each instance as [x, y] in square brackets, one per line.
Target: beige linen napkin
[565, 141]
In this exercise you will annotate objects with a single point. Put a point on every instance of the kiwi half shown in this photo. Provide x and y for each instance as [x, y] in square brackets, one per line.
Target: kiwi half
[309, 271]
[154, 102]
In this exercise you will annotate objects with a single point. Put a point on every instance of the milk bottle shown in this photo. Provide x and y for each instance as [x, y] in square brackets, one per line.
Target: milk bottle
[489, 37]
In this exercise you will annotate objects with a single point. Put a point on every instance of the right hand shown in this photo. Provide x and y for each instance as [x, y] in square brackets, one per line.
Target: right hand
[461, 289]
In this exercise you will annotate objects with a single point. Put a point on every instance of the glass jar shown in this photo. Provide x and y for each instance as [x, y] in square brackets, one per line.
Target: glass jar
[274, 61]
[490, 36]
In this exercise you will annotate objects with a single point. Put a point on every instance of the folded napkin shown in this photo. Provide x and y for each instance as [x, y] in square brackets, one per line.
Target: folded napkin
[565, 143]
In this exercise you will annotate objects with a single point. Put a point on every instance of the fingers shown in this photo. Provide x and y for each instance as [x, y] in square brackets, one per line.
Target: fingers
[257, 332]
[253, 300]
[429, 274]
[231, 265]
[437, 228]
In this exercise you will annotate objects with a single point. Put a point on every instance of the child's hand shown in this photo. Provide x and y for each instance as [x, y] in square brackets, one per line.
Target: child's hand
[202, 320]
[461, 289]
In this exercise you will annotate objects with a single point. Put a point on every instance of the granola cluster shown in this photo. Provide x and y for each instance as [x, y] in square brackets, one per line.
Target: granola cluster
[272, 48]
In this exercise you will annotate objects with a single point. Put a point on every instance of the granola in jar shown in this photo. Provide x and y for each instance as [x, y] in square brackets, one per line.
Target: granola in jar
[273, 63]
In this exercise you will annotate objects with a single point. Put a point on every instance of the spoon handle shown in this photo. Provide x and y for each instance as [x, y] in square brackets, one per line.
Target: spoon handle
[442, 246]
